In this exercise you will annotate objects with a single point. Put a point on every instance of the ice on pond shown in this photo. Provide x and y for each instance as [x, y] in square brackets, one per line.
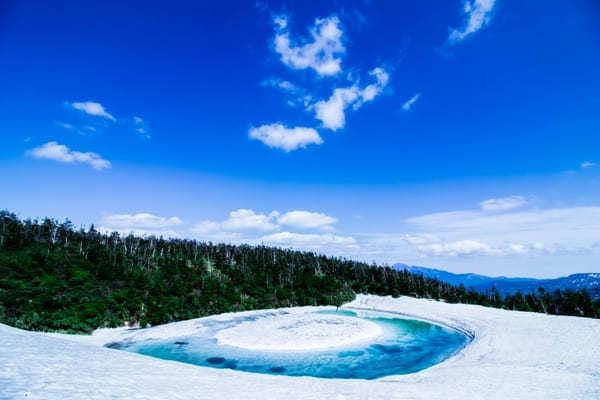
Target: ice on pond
[297, 332]
[327, 344]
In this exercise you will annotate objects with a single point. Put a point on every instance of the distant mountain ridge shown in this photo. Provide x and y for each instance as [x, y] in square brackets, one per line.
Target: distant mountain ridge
[504, 285]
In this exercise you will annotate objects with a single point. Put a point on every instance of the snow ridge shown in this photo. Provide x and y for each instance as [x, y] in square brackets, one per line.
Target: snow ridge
[513, 355]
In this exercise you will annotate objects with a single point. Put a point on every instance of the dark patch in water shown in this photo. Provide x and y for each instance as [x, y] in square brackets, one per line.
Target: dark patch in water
[351, 353]
[410, 349]
[215, 360]
[388, 349]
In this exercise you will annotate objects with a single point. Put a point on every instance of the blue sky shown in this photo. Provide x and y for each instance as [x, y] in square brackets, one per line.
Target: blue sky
[459, 135]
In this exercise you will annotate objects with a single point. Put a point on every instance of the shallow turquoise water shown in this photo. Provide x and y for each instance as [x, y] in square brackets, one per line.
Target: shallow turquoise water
[407, 346]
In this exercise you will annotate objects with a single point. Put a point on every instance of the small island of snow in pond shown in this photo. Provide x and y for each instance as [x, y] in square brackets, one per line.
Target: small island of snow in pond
[318, 342]
[512, 355]
[297, 332]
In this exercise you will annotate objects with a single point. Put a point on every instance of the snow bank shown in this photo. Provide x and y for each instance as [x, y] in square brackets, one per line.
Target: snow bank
[513, 355]
[299, 332]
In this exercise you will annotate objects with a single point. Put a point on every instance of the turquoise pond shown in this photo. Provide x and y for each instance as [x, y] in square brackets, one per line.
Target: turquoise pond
[407, 346]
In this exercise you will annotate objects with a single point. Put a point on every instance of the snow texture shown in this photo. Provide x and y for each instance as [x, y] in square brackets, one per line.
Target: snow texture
[299, 332]
[512, 355]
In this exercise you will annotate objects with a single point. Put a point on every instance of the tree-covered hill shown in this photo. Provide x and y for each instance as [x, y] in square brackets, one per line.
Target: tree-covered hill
[54, 277]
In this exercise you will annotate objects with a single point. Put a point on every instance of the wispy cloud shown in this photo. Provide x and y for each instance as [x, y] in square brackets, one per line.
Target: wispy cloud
[249, 226]
[288, 139]
[476, 248]
[508, 233]
[588, 164]
[332, 112]
[65, 125]
[239, 220]
[306, 220]
[299, 96]
[503, 203]
[464, 236]
[408, 104]
[478, 14]
[308, 241]
[141, 224]
[141, 126]
[311, 229]
[61, 153]
[85, 131]
[246, 219]
[140, 221]
[320, 54]
[92, 108]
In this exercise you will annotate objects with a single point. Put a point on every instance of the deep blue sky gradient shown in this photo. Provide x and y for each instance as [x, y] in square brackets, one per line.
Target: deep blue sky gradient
[510, 110]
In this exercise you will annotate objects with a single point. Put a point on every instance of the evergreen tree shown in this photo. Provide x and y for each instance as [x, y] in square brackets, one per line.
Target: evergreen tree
[54, 277]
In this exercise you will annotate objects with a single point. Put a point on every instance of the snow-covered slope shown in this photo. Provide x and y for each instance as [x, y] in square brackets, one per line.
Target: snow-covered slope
[514, 355]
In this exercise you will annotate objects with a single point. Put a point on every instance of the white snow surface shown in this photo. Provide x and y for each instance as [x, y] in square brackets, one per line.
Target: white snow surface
[299, 332]
[512, 355]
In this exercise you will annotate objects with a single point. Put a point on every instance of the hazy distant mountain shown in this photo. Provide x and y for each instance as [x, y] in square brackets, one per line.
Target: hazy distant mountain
[590, 281]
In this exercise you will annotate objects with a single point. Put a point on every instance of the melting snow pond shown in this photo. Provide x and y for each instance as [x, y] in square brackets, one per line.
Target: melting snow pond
[324, 344]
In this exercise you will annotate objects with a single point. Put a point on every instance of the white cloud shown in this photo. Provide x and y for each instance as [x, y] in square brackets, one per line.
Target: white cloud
[475, 248]
[320, 54]
[421, 238]
[213, 231]
[140, 125]
[472, 248]
[559, 230]
[61, 153]
[281, 84]
[478, 13]
[306, 220]
[407, 106]
[463, 247]
[308, 241]
[568, 220]
[503, 204]
[65, 125]
[240, 220]
[139, 221]
[141, 224]
[92, 108]
[299, 95]
[249, 221]
[588, 164]
[288, 139]
[243, 219]
[280, 21]
[206, 227]
[332, 114]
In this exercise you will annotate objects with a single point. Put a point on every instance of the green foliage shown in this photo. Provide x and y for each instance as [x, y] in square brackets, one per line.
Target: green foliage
[56, 278]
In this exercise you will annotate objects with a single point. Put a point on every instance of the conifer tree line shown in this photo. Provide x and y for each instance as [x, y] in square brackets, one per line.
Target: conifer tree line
[55, 277]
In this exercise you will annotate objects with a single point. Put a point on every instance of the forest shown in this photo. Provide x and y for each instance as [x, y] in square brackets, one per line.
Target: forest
[56, 277]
